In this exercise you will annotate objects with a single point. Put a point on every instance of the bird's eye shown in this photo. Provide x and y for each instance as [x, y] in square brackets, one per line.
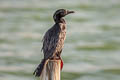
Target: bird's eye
[62, 14]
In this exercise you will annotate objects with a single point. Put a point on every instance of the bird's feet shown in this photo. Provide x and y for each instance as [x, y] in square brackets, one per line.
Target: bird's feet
[58, 58]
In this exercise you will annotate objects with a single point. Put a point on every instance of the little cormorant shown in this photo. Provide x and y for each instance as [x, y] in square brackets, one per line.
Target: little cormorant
[53, 40]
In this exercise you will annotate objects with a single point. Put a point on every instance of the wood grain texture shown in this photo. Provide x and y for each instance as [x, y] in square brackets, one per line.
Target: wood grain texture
[51, 70]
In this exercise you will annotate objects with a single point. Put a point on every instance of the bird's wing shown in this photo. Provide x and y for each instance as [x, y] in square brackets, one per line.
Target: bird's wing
[50, 41]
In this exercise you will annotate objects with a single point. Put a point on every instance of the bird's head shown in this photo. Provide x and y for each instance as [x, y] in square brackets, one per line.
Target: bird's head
[61, 13]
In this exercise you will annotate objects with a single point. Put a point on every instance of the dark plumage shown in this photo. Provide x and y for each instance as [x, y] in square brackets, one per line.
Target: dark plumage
[53, 40]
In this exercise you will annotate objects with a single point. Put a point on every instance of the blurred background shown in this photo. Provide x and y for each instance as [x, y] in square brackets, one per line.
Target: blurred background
[92, 46]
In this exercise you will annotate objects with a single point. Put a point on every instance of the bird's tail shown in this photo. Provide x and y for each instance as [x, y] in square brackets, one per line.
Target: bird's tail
[39, 69]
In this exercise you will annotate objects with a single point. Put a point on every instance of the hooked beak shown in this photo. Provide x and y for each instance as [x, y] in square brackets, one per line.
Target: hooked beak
[69, 12]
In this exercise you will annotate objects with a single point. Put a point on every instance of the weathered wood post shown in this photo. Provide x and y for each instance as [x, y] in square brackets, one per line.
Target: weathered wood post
[51, 70]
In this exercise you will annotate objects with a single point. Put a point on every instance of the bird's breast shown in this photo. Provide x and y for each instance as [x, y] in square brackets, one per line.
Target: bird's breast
[62, 37]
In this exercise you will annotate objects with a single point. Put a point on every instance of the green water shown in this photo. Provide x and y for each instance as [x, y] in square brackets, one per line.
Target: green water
[92, 46]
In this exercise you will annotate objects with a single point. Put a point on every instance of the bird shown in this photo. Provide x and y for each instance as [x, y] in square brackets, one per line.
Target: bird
[53, 40]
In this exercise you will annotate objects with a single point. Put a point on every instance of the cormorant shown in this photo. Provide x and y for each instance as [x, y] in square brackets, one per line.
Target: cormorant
[53, 40]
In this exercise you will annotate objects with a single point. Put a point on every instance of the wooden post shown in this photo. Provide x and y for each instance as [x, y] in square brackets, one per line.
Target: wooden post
[51, 70]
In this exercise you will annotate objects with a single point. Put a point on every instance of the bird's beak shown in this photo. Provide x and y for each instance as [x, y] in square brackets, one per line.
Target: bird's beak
[69, 12]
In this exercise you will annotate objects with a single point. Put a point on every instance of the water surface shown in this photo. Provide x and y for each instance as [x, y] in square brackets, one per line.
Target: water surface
[92, 46]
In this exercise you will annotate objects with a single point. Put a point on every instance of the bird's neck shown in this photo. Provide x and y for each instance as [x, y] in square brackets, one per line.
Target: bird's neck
[60, 20]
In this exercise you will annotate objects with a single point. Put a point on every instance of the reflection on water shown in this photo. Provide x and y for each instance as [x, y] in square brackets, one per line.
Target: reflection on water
[91, 49]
